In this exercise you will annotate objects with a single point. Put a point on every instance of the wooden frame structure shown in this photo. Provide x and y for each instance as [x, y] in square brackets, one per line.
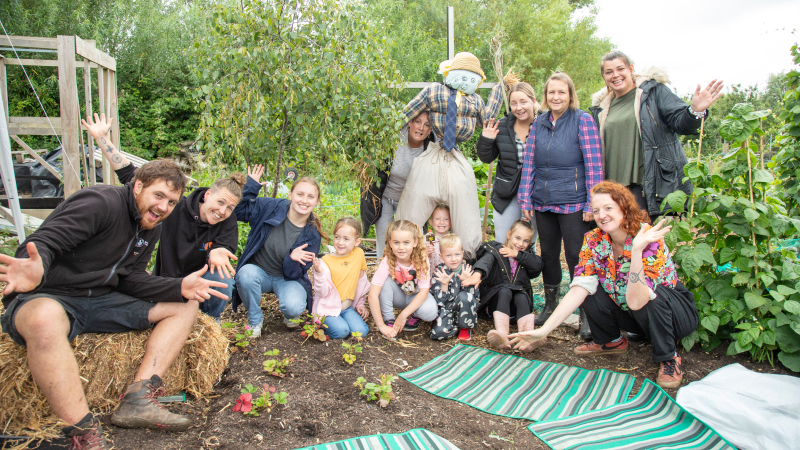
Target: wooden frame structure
[72, 53]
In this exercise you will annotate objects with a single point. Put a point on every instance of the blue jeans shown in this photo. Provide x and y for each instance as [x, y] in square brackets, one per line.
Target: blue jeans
[252, 281]
[215, 305]
[348, 321]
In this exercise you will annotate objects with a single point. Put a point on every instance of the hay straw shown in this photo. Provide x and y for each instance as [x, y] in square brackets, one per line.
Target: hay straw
[108, 364]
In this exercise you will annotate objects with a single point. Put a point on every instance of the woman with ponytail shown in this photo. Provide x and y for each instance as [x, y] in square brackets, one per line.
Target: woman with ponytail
[284, 239]
[201, 230]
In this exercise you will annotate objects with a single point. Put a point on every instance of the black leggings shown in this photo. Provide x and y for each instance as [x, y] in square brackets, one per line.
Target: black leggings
[521, 303]
[552, 228]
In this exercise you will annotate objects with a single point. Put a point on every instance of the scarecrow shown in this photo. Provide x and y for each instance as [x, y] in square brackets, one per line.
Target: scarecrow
[442, 174]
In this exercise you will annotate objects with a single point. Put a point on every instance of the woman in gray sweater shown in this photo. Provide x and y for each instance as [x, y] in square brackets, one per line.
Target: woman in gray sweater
[412, 144]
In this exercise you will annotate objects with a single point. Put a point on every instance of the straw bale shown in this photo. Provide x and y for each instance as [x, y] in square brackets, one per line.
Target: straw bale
[108, 364]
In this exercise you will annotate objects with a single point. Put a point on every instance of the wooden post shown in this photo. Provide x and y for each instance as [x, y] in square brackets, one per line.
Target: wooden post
[87, 96]
[68, 99]
[4, 86]
[101, 98]
[113, 107]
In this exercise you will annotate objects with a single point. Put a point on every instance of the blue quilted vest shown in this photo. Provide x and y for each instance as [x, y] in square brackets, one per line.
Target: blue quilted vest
[560, 176]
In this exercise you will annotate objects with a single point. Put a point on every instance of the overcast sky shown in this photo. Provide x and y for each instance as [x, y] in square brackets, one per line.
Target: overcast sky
[739, 41]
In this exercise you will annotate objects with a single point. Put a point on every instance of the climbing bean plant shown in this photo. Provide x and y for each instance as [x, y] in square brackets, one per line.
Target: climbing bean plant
[746, 284]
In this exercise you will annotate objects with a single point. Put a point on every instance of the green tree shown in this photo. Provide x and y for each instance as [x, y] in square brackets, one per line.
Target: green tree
[541, 36]
[147, 38]
[285, 80]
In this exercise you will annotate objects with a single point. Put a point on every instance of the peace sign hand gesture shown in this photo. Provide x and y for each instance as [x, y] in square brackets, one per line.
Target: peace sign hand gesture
[491, 129]
[647, 236]
[705, 98]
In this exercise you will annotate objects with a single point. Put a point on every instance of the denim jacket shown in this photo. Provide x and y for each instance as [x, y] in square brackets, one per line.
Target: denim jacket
[263, 214]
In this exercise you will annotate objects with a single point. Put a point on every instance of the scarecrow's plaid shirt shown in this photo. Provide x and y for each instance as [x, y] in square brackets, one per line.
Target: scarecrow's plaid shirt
[589, 139]
[471, 112]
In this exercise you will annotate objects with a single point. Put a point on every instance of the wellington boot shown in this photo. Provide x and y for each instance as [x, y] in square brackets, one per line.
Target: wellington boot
[526, 323]
[586, 332]
[550, 303]
[140, 408]
[498, 338]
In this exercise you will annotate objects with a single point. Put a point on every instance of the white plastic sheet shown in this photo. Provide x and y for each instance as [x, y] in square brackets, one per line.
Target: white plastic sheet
[751, 410]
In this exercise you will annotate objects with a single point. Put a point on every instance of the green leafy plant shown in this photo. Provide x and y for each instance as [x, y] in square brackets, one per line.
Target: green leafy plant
[731, 251]
[276, 367]
[312, 328]
[241, 340]
[350, 349]
[266, 69]
[380, 392]
[268, 399]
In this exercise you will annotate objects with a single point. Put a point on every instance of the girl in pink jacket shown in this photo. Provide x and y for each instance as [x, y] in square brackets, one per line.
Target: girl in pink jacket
[340, 283]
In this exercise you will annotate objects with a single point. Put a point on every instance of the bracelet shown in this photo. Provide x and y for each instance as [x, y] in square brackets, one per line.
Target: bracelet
[698, 115]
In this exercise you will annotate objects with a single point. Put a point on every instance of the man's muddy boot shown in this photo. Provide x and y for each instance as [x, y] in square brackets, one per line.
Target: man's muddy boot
[140, 408]
[86, 434]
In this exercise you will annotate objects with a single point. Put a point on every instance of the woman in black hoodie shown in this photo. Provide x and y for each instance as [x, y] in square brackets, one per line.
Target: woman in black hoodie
[202, 229]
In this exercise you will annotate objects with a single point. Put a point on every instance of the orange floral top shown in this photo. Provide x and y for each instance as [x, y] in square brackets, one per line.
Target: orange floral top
[597, 260]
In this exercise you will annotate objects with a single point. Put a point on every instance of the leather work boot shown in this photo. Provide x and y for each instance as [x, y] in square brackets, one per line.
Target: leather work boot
[550, 303]
[86, 434]
[140, 408]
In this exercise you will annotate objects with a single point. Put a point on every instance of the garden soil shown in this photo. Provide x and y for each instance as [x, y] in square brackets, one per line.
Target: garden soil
[324, 406]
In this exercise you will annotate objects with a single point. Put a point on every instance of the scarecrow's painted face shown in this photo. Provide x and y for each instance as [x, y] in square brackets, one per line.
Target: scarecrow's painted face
[463, 80]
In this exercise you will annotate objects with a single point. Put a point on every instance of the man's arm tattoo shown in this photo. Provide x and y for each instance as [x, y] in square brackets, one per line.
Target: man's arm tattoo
[637, 277]
[116, 158]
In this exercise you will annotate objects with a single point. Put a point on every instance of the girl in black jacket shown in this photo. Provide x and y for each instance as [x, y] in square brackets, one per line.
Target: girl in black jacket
[506, 271]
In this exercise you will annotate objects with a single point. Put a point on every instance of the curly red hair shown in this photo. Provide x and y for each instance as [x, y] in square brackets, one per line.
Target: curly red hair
[633, 216]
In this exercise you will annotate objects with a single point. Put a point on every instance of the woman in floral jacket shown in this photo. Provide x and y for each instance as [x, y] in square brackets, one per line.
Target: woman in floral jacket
[640, 291]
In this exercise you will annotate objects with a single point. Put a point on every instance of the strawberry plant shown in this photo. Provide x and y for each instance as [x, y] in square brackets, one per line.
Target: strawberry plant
[276, 367]
[241, 340]
[268, 399]
[350, 350]
[312, 328]
[380, 392]
[732, 251]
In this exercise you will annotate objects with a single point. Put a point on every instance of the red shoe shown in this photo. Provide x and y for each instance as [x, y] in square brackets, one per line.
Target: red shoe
[464, 334]
[590, 348]
[670, 373]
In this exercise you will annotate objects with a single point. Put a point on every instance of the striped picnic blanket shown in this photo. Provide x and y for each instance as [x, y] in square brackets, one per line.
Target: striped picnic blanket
[651, 420]
[417, 439]
[516, 387]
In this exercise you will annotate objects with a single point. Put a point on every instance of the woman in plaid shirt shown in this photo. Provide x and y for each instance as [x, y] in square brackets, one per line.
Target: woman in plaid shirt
[564, 146]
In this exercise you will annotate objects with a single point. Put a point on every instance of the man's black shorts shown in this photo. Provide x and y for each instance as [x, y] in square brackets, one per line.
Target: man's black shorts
[111, 313]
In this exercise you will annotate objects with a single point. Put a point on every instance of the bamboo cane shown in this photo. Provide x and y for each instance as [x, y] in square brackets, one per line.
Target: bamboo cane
[699, 151]
[497, 63]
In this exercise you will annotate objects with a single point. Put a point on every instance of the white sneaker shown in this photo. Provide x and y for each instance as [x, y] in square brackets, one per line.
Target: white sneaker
[256, 330]
[290, 325]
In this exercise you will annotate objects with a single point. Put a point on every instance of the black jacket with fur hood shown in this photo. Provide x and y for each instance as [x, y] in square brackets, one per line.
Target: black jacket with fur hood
[662, 116]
